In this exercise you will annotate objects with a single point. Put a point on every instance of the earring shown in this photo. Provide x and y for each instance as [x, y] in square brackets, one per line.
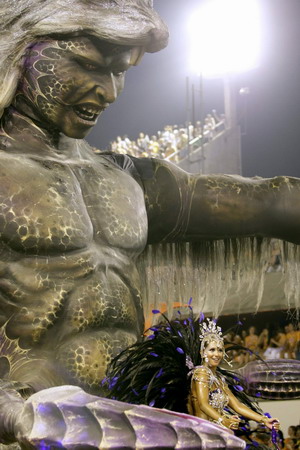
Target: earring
[205, 358]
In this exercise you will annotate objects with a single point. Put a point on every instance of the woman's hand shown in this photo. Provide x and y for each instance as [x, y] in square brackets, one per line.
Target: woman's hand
[231, 422]
[271, 423]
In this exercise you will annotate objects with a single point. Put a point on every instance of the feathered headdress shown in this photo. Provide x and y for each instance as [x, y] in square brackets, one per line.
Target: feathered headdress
[154, 371]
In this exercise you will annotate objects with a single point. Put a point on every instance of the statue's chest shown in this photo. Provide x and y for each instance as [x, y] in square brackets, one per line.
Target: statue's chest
[51, 205]
[115, 204]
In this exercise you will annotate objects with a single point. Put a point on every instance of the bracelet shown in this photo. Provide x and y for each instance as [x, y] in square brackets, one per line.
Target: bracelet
[264, 419]
[219, 422]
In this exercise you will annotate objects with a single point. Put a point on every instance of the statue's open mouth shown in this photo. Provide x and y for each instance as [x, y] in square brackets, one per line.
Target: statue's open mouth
[87, 113]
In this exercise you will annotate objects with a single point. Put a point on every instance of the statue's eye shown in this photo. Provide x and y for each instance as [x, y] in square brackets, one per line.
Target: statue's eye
[89, 66]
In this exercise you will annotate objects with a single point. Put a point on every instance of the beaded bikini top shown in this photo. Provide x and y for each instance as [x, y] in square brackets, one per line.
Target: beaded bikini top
[217, 397]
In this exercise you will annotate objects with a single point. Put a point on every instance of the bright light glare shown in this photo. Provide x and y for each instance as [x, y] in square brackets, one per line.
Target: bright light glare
[225, 37]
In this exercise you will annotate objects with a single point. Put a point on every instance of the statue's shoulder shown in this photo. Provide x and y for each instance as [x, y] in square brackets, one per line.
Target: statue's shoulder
[116, 159]
[138, 168]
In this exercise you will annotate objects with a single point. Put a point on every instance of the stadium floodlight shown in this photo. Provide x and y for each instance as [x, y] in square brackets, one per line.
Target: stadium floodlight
[225, 37]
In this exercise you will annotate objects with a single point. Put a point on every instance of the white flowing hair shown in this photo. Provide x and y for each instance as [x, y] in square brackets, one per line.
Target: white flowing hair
[122, 22]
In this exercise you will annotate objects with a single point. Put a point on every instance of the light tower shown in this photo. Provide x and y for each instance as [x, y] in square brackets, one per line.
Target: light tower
[225, 38]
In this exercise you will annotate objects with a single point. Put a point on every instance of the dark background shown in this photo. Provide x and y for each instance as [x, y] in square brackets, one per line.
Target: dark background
[154, 93]
[272, 320]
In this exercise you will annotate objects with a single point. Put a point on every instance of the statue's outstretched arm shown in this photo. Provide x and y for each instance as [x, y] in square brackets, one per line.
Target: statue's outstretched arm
[191, 207]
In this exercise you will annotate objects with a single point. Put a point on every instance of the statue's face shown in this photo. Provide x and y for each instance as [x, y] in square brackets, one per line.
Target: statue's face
[68, 83]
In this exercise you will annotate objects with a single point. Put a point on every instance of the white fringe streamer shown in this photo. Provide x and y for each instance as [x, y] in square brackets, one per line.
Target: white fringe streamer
[208, 271]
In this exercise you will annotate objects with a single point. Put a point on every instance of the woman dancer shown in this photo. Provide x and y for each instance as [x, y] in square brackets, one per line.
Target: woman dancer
[210, 394]
[177, 368]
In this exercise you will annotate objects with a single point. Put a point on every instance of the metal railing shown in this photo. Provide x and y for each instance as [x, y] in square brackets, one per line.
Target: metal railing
[196, 143]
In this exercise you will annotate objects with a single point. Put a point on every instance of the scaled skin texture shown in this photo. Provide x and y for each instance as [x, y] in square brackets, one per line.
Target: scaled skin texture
[72, 222]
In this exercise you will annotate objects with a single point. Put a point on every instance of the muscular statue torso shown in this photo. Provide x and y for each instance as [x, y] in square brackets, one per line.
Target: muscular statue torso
[70, 231]
[72, 224]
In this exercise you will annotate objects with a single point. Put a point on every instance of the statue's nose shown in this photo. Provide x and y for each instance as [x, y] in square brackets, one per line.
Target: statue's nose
[107, 89]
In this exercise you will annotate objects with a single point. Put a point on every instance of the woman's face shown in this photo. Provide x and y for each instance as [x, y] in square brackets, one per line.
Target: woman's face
[214, 353]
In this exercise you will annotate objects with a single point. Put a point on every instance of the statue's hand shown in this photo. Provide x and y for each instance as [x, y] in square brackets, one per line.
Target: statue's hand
[66, 417]
[272, 379]
[59, 417]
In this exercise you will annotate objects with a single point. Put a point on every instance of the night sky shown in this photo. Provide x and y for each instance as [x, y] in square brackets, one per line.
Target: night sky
[155, 93]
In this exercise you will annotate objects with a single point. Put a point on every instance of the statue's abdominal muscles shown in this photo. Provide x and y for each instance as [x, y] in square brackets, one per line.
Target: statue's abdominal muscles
[69, 285]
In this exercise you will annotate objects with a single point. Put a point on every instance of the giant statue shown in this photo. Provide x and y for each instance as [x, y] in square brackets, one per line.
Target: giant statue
[73, 222]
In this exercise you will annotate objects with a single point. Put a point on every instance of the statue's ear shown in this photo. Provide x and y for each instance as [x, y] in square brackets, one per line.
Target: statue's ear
[136, 55]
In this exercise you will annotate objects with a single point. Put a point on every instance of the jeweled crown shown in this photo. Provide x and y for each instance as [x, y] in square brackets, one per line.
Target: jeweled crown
[210, 328]
[209, 332]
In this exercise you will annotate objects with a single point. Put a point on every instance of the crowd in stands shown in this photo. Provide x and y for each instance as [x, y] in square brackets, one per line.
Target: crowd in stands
[168, 144]
[275, 262]
[282, 344]
[260, 438]
[292, 442]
